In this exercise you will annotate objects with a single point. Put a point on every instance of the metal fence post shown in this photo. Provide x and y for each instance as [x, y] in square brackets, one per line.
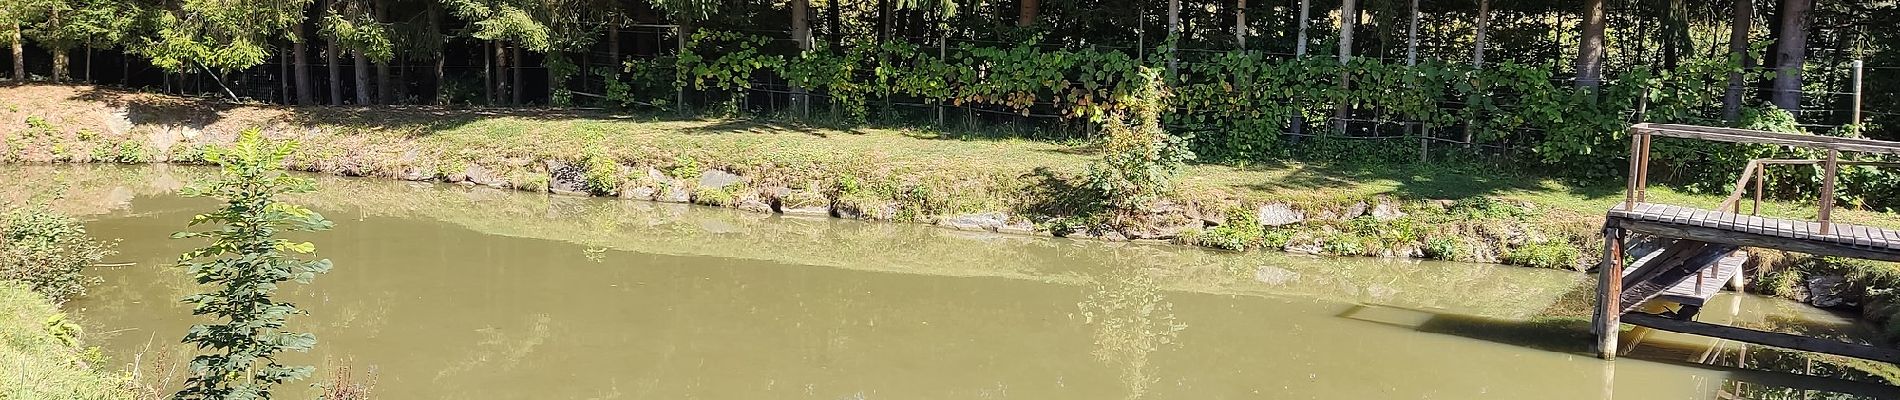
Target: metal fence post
[1857, 92]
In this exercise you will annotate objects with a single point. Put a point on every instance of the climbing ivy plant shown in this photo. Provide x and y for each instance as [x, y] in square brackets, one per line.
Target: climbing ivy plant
[242, 268]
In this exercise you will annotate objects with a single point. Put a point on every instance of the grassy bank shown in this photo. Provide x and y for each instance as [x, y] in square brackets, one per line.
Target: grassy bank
[41, 353]
[1463, 213]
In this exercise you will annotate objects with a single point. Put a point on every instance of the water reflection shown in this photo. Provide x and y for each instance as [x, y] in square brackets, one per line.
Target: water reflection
[1130, 317]
[468, 292]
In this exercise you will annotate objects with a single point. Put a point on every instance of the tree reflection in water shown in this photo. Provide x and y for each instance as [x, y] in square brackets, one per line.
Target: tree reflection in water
[1131, 319]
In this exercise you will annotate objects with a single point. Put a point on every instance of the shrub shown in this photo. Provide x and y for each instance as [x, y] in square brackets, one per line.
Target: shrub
[39, 343]
[1239, 231]
[1444, 248]
[717, 197]
[243, 266]
[603, 174]
[1554, 255]
[47, 250]
[1139, 158]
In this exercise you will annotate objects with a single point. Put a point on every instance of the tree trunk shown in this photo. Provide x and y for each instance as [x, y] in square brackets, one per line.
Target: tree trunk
[88, 63]
[283, 74]
[336, 72]
[19, 55]
[1348, 22]
[1299, 47]
[613, 45]
[441, 58]
[1174, 28]
[1676, 40]
[302, 63]
[1411, 37]
[1240, 24]
[330, 54]
[1477, 57]
[1028, 9]
[834, 22]
[1590, 52]
[1743, 21]
[514, 89]
[883, 21]
[362, 77]
[384, 93]
[60, 63]
[801, 34]
[1484, 25]
[1791, 47]
[488, 75]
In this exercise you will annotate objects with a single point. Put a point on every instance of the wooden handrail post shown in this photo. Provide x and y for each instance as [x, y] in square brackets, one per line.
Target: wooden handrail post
[1761, 174]
[1629, 191]
[1642, 173]
[1829, 169]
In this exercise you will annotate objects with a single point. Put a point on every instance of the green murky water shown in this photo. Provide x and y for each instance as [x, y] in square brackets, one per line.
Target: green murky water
[451, 292]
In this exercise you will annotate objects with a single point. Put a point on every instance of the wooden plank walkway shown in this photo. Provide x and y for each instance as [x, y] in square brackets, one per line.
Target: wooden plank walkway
[1846, 240]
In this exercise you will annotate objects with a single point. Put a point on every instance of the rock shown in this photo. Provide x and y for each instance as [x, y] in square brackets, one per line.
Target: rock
[716, 179]
[642, 193]
[1207, 218]
[1018, 228]
[417, 174]
[119, 120]
[1386, 211]
[1827, 291]
[674, 194]
[1278, 214]
[1275, 276]
[475, 174]
[988, 221]
[754, 204]
[1113, 236]
[975, 222]
[565, 177]
[808, 210]
[1354, 211]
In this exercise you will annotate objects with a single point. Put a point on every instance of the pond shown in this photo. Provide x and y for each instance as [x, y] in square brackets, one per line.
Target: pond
[444, 291]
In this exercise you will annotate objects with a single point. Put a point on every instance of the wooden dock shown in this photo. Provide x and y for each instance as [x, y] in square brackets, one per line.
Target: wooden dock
[1685, 254]
[1845, 240]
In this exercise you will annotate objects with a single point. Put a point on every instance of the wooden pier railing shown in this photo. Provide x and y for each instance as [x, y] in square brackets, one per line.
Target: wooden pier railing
[1726, 228]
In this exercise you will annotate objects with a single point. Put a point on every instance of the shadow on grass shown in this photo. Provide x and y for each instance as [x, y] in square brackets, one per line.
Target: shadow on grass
[419, 120]
[1413, 180]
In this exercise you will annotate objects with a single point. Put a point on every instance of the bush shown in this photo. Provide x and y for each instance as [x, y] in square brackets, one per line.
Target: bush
[38, 344]
[1554, 255]
[1139, 158]
[1240, 231]
[46, 250]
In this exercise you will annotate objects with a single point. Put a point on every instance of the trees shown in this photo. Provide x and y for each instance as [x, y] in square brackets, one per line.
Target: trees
[218, 36]
[1743, 21]
[351, 26]
[1590, 48]
[502, 23]
[244, 264]
[1791, 50]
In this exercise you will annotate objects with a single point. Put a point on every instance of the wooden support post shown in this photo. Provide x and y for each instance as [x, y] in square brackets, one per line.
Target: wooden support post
[1609, 293]
[1830, 168]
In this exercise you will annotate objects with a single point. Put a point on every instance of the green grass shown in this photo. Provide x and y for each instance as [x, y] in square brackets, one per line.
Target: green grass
[39, 354]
